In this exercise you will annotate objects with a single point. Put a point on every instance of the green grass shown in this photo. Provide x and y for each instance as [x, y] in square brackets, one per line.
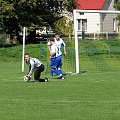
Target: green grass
[91, 95]
[86, 96]
[93, 55]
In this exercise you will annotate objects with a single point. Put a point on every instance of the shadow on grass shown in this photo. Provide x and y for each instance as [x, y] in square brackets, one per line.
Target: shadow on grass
[81, 72]
[72, 73]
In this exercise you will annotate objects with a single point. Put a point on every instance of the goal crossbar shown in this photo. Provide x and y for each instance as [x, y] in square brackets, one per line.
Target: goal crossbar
[75, 29]
[97, 11]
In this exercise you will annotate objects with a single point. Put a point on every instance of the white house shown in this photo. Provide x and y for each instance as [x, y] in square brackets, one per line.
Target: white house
[96, 22]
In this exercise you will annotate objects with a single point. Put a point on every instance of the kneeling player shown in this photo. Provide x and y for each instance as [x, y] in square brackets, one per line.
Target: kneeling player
[36, 66]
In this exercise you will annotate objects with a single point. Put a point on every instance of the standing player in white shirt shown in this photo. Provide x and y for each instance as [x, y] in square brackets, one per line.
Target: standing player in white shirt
[55, 59]
[59, 43]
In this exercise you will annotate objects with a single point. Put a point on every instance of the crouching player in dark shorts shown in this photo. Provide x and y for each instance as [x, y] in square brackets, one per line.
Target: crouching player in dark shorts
[36, 66]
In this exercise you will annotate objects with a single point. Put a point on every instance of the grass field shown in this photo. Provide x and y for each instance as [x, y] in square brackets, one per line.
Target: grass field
[86, 96]
[91, 95]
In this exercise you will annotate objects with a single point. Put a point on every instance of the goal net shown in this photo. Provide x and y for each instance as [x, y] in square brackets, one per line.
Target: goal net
[68, 61]
[97, 43]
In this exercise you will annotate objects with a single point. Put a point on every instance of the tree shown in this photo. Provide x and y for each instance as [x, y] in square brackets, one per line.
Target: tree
[117, 7]
[64, 25]
[14, 14]
[70, 5]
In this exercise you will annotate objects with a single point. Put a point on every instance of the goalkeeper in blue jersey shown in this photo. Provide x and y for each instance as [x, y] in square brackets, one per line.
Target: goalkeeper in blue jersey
[59, 43]
[55, 59]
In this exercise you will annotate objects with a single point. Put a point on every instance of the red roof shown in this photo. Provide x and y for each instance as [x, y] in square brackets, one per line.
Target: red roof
[90, 4]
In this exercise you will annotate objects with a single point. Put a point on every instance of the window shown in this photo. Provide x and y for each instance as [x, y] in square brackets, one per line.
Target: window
[82, 24]
[81, 13]
[114, 25]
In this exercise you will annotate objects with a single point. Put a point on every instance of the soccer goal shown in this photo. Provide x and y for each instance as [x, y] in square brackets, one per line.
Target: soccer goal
[93, 32]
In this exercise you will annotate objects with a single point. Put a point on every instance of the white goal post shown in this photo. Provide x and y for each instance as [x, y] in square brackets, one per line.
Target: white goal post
[23, 50]
[76, 30]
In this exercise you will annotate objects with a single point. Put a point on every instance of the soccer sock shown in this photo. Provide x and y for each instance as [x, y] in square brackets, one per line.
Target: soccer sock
[58, 72]
[51, 72]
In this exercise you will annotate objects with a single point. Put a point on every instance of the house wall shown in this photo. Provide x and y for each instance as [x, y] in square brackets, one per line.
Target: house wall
[107, 19]
[101, 23]
[93, 22]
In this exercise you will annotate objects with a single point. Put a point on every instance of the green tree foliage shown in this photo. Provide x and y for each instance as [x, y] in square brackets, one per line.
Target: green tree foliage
[117, 6]
[64, 26]
[70, 5]
[14, 14]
